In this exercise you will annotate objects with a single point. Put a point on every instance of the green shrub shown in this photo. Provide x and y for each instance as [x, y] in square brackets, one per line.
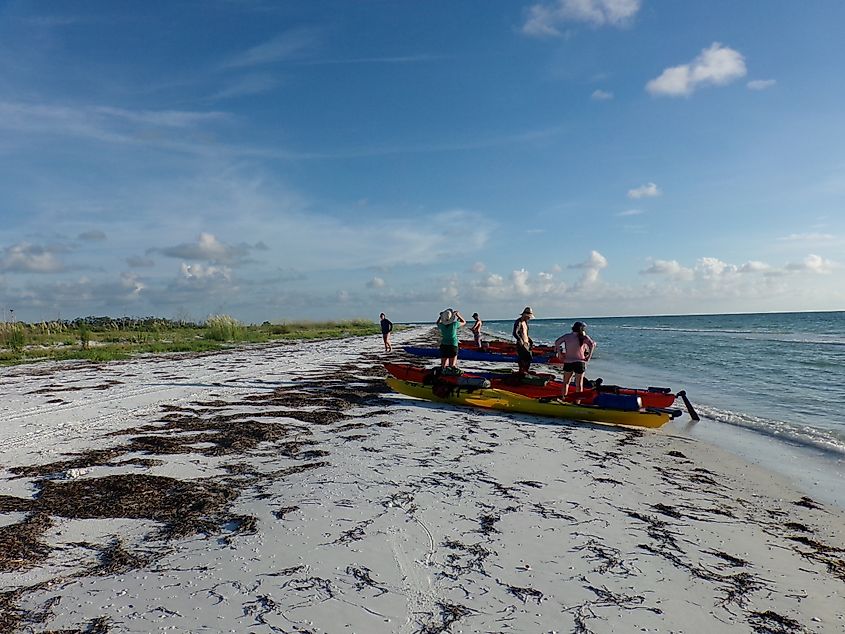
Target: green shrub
[13, 336]
[223, 328]
[84, 335]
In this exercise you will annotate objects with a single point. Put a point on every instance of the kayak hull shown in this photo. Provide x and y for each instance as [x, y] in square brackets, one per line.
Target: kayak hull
[467, 354]
[543, 386]
[514, 403]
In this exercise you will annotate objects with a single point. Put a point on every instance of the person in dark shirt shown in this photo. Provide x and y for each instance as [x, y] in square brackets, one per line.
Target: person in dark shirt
[386, 329]
[523, 341]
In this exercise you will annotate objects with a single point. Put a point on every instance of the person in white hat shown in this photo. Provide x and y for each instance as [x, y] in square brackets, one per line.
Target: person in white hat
[448, 323]
[523, 341]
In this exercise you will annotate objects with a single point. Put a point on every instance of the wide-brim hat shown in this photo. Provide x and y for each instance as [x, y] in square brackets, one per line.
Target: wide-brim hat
[448, 317]
[528, 311]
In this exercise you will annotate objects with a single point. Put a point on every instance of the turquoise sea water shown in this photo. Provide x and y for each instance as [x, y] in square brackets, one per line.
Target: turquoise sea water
[771, 384]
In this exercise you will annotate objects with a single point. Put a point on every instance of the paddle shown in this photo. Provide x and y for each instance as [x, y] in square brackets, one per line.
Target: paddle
[689, 406]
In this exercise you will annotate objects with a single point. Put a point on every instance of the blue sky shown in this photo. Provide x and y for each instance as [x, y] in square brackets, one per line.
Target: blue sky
[320, 160]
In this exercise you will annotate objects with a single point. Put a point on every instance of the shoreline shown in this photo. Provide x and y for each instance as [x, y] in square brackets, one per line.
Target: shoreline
[337, 503]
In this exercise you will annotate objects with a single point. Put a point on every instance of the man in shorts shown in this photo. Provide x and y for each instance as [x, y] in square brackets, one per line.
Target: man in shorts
[523, 341]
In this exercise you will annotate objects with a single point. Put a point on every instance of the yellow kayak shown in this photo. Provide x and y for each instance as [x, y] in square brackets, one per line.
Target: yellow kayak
[510, 402]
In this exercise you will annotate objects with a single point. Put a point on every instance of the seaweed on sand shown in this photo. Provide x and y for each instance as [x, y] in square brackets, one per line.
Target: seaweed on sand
[20, 544]
[449, 613]
[184, 507]
[115, 559]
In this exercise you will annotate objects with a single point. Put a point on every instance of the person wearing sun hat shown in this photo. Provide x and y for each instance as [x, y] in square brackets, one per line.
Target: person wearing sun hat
[523, 341]
[448, 323]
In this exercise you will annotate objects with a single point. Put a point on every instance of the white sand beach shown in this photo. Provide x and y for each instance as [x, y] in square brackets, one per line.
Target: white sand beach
[282, 488]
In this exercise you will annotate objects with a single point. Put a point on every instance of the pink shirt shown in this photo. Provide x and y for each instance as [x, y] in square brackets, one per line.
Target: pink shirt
[575, 350]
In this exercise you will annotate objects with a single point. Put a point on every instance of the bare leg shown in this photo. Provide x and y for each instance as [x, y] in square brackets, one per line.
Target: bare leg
[567, 377]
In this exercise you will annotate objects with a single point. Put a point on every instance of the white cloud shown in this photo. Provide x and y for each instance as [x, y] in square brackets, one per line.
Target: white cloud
[479, 267]
[754, 266]
[30, 258]
[761, 84]
[629, 212]
[717, 65]
[289, 45]
[544, 19]
[808, 237]
[709, 268]
[672, 268]
[520, 282]
[207, 247]
[375, 282]
[601, 95]
[815, 264]
[200, 273]
[253, 84]
[591, 267]
[649, 190]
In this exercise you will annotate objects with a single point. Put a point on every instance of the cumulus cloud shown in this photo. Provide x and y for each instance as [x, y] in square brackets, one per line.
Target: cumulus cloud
[545, 18]
[197, 273]
[761, 84]
[717, 65]
[601, 95]
[30, 258]
[207, 247]
[94, 235]
[479, 267]
[672, 268]
[591, 267]
[519, 279]
[754, 266]
[649, 190]
[815, 264]
[376, 282]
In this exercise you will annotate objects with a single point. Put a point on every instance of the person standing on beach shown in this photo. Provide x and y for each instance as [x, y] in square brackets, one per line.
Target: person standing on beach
[448, 323]
[476, 329]
[386, 329]
[574, 349]
[523, 341]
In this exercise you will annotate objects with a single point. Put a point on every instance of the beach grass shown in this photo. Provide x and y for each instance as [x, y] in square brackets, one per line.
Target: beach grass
[105, 339]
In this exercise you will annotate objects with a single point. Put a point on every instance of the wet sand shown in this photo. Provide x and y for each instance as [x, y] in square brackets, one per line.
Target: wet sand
[284, 489]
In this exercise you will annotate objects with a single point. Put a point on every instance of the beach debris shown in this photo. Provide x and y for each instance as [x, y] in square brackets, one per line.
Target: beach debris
[770, 622]
[449, 614]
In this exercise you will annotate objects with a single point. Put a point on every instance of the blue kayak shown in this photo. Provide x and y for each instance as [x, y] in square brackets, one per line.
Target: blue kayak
[475, 355]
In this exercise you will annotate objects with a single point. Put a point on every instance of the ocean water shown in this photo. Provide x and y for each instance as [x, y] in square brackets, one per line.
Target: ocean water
[769, 386]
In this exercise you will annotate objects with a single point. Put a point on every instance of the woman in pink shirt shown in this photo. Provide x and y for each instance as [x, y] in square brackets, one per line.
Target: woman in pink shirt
[574, 349]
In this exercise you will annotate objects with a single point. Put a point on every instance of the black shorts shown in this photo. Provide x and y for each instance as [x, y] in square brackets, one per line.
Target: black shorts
[448, 351]
[523, 354]
[578, 367]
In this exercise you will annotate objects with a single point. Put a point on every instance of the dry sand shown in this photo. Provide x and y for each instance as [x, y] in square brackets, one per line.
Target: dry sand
[282, 489]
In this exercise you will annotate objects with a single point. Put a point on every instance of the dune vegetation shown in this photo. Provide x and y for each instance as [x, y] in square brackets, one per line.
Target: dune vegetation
[107, 338]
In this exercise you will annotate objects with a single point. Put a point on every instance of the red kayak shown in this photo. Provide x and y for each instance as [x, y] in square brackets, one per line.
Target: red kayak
[505, 347]
[534, 385]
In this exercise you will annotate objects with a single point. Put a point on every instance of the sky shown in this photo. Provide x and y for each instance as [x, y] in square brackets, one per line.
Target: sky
[284, 160]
